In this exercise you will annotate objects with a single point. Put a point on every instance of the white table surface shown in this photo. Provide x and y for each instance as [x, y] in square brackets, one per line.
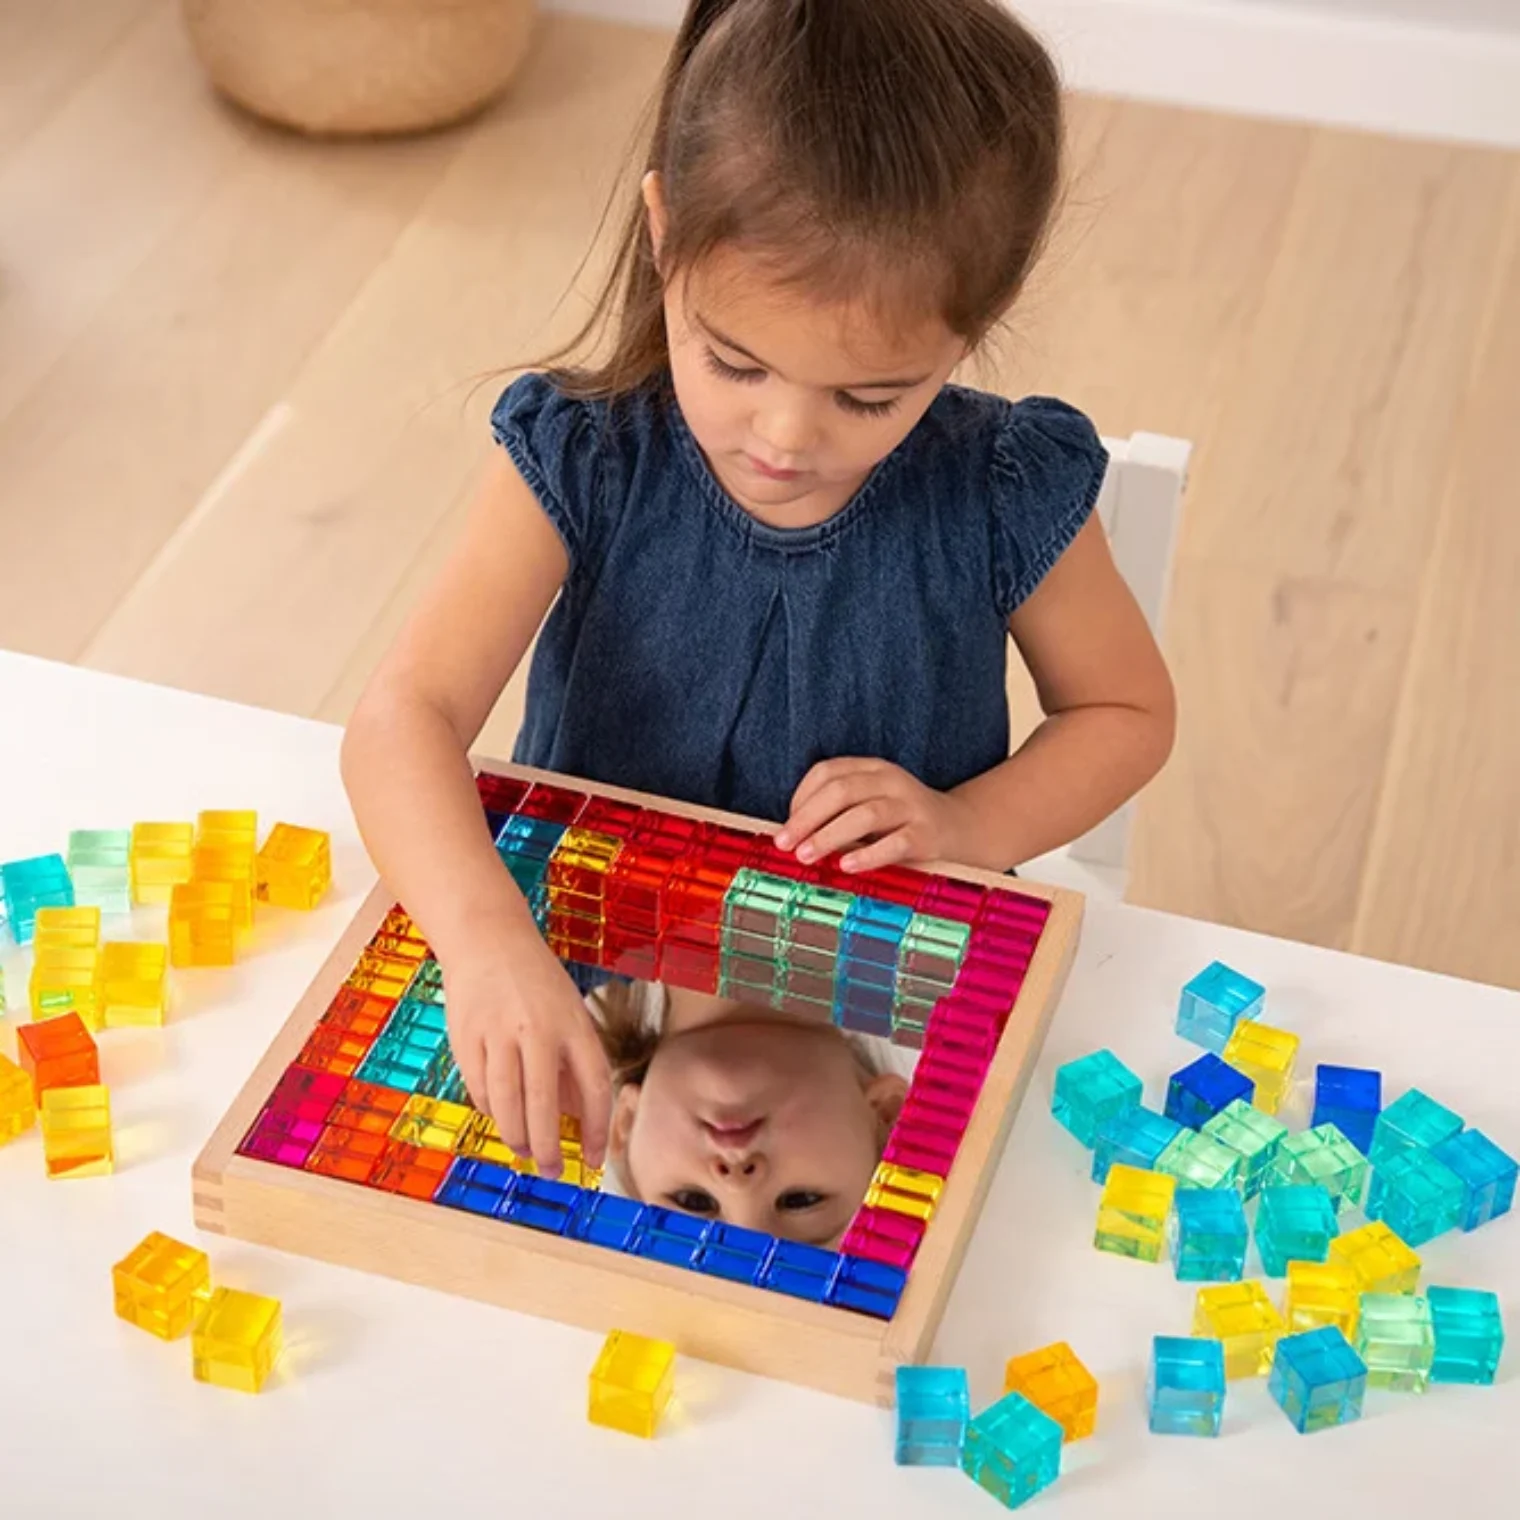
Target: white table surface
[396, 1400]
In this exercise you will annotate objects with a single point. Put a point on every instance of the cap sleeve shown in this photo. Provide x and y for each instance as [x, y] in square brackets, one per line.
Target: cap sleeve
[1047, 468]
[557, 444]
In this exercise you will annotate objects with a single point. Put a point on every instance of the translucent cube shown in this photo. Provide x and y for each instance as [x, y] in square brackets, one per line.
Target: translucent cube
[1416, 1196]
[160, 859]
[1350, 1098]
[1381, 1261]
[1294, 1224]
[1199, 1091]
[294, 867]
[1318, 1380]
[99, 861]
[1266, 1056]
[161, 1285]
[1198, 1161]
[58, 1052]
[1185, 1388]
[236, 1340]
[1322, 1156]
[1214, 1003]
[631, 1383]
[1132, 1213]
[1252, 1135]
[1054, 1380]
[1487, 1174]
[133, 979]
[1411, 1122]
[1322, 1293]
[933, 1409]
[1134, 1138]
[1207, 1235]
[1013, 1450]
[1469, 1332]
[1091, 1090]
[203, 924]
[18, 1103]
[1396, 1338]
[27, 885]
[1243, 1319]
[76, 1131]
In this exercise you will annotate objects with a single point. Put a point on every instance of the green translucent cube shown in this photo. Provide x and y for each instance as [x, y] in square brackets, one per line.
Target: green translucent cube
[1395, 1336]
[1253, 1136]
[1197, 1160]
[1322, 1156]
[98, 862]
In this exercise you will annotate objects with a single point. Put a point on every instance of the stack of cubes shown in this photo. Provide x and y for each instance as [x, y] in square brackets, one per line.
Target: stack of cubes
[60, 1060]
[293, 868]
[865, 976]
[159, 860]
[576, 883]
[66, 968]
[99, 862]
[757, 916]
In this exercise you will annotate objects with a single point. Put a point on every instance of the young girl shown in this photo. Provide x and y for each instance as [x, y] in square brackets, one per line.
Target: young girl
[780, 556]
[743, 1114]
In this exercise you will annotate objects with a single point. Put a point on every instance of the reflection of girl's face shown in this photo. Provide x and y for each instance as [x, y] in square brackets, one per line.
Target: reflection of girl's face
[757, 1120]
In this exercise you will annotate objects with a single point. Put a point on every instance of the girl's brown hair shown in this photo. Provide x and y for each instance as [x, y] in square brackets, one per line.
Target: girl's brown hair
[906, 148]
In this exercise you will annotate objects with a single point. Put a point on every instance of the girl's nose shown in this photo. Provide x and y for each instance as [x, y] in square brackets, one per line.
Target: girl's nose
[786, 433]
[745, 1169]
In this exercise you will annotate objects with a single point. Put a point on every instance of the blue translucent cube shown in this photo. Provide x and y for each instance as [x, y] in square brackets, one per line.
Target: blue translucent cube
[933, 1408]
[1214, 1002]
[1134, 1138]
[867, 1287]
[1469, 1335]
[26, 885]
[1092, 1090]
[1294, 1224]
[1417, 1196]
[1185, 1387]
[1198, 1092]
[1013, 1450]
[1350, 1098]
[1412, 1122]
[1487, 1173]
[1318, 1379]
[1207, 1235]
[1253, 1136]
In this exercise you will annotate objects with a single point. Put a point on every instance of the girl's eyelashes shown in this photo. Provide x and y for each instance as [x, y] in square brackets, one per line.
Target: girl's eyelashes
[797, 1200]
[852, 404]
[693, 1201]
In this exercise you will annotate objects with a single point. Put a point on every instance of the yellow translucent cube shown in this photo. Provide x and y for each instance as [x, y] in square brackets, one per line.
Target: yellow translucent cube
[76, 1131]
[631, 1383]
[133, 983]
[159, 859]
[236, 1340]
[481, 1140]
[432, 1123]
[1245, 1320]
[1266, 1055]
[67, 928]
[237, 827]
[1056, 1382]
[161, 1285]
[1381, 1261]
[1133, 1211]
[66, 979]
[203, 925]
[18, 1103]
[904, 1190]
[1321, 1293]
[294, 868]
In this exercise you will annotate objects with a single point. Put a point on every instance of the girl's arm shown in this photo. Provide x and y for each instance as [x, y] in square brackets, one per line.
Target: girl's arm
[516, 1022]
[1110, 718]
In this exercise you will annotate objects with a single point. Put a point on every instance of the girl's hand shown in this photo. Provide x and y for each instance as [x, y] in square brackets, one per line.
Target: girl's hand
[527, 1048]
[841, 803]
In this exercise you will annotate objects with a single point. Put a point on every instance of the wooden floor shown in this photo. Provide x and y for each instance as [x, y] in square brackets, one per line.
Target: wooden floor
[241, 404]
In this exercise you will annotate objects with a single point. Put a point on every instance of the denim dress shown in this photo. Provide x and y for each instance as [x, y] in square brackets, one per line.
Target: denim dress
[696, 653]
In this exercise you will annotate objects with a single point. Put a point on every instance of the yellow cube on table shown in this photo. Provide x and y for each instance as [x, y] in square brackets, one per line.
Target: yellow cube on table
[1379, 1258]
[1057, 1384]
[159, 859]
[236, 1340]
[133, 977]
[1266, 1056]
[18, 1103]
[161, 1285]
[76, 1131]
[631, 1383]
[67, 928]
[1245, 1320]
[203, 926]
[1322, 1293]
[66, 979]
[1133, 1212]
[294, 868]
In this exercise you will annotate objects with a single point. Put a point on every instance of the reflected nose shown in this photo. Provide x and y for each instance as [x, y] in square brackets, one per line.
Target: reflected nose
[746, 1167]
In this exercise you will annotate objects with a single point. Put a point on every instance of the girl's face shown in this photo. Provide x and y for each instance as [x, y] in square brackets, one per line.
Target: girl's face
[792, 402]
[758, 1120]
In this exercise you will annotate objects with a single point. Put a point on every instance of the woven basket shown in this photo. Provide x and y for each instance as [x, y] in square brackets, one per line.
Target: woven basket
[361, 67]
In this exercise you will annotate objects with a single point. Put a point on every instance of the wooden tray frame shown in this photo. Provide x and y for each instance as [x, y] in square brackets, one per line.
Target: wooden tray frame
[754, 1329]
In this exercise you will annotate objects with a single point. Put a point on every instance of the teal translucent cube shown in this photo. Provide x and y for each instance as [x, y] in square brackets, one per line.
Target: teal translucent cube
[1013, 1450]
[99, 866]
[933, 1409]
[1416, 1196]
[1488, 1175]
[1090, 1091]
[1214, 1002]
[1207, 1235]
[1412, 1122]
[1318, 1380]
[1294, 1224]
[27, 885]
[1469, 1332]
[1185, 1388]
[1253, 1136]
[1396, 1338]
[1134, 1138]
[1198, 1161]
[1322, 1156]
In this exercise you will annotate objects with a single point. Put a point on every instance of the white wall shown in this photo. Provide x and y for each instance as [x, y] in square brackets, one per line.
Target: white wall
[1483, 15]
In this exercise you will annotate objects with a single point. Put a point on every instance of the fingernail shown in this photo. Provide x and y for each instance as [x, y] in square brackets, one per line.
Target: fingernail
[806, 853]
[783, 840]
[848, 863]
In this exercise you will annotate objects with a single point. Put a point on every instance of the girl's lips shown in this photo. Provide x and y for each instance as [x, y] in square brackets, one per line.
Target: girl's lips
[760, 467]
[733, 1136]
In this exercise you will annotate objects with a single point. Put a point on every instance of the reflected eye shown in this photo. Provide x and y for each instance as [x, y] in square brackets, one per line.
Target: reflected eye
[692, 1201]
[798, 1199]
[728, 371]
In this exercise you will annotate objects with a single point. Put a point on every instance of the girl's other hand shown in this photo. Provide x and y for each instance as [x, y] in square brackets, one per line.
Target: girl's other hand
[848, 802]
[527, 1049]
